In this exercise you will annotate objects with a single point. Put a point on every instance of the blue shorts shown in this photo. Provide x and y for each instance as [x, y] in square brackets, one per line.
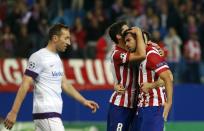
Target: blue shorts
[119, 118]
[149, 119]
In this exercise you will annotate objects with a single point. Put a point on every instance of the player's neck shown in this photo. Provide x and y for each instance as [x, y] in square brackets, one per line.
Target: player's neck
[121, 45]
[51, 47]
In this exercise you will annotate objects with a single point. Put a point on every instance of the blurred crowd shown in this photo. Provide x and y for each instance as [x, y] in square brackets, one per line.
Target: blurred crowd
[176, 25]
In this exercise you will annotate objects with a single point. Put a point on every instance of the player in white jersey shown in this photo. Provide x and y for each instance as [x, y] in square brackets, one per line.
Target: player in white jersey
[45, 71]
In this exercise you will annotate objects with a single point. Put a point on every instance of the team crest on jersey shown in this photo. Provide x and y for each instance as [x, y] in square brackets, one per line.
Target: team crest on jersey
[122, 55]
[31, 65]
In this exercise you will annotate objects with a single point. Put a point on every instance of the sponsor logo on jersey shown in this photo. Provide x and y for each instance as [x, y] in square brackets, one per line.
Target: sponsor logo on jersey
[55, 73]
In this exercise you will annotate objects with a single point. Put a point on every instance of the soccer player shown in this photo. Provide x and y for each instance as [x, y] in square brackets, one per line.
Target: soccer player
[154, 104]
[121, 109]
[45, 71]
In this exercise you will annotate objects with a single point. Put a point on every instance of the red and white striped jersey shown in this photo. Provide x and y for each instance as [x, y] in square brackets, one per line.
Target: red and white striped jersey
[149, 71]
[123, 73]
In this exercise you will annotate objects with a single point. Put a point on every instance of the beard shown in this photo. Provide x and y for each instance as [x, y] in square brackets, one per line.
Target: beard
[132, 50]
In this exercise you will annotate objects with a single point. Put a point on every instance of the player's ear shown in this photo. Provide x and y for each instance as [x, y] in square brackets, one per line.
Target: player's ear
[55, 37]
[118, 36]
[145, 38]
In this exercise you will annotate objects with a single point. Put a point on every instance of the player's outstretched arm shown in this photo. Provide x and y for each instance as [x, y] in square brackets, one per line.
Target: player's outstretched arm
[71, 91]
[146, 86]
[22, 91]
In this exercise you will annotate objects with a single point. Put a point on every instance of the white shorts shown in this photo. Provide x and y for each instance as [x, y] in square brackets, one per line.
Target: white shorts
[49, 124]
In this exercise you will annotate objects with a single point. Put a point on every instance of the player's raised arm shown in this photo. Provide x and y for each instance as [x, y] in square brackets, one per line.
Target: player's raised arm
[71, 91]
[22, 91]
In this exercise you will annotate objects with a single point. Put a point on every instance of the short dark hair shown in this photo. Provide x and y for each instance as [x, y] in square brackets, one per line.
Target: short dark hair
[144, 34]
[56, 30]
[115, 29]
[126, 32]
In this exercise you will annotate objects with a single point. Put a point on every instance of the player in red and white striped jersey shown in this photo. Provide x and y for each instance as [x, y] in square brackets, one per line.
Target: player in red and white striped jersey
[155, 104]
[124, 74]
[121, 111]
[149, 71]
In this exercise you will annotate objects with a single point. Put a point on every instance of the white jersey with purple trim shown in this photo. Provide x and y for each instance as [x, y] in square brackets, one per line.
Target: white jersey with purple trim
[46, 68]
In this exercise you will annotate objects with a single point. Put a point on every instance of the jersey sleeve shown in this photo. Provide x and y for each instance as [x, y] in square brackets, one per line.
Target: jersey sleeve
[156, 62]
[34, 66]
[121, 57]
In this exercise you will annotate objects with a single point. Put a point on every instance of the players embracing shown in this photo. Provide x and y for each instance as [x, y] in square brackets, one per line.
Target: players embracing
[154, 103]
[124, 62]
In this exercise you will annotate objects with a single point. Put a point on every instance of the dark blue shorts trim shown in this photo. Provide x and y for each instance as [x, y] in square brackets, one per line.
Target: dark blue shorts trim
[46, 115]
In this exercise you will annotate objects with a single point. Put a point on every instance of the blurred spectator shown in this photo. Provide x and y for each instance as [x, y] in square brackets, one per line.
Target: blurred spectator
[201, 32]
[138, 5]
[157, 39]
[14, 19]
[155, 25]
[61, 18]
[53, 7]
[24, 44]
[192, 53]
[117, 10]
[8, 41]
[34, 26]
[79, 38]
[163, 15]
[77, 5]
[149, 14]
[94, 32]
[103, 47]
[77, 9]
[43, 8]
[3, 11]
[190, 27]
[173, 44]
[30, 2]
[43, 31]
[138, 18]
[98, 14]
[174, 19]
